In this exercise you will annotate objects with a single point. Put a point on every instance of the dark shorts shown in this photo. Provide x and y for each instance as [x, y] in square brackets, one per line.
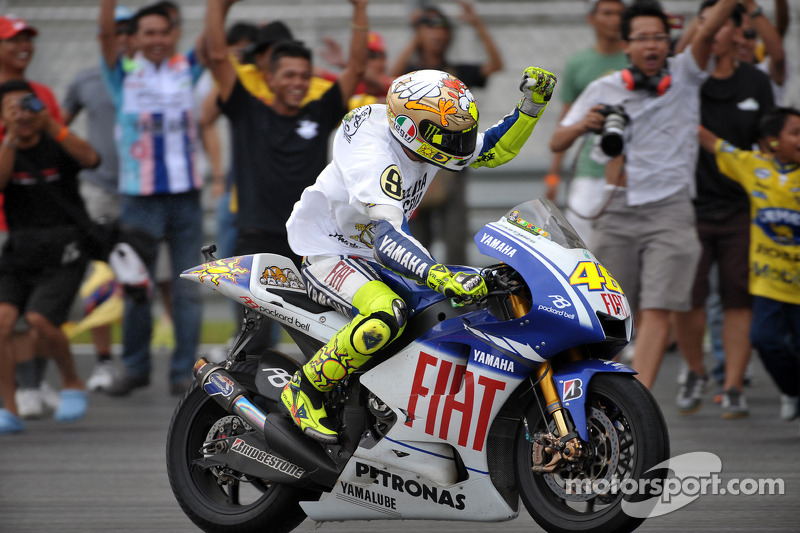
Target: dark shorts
[726, 243]
[48, 291]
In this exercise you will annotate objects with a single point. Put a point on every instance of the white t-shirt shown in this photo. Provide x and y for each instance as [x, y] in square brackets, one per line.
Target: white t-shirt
[661, 138]
[369, 166]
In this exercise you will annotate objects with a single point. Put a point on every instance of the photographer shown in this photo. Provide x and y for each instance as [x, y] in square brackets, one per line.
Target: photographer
[646, 233]
[42, 265]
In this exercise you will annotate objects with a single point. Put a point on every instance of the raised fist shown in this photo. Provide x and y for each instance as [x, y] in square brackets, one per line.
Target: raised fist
[537, 88]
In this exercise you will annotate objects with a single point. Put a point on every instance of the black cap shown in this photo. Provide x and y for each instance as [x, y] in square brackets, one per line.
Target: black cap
[13, 86]
[270, 34]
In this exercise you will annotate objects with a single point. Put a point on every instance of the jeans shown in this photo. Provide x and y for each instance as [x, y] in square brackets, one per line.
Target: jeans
[177, 219]
[775, 334]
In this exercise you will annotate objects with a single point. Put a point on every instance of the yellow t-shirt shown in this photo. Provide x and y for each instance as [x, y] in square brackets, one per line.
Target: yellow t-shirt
[774, 192]
[254, 82]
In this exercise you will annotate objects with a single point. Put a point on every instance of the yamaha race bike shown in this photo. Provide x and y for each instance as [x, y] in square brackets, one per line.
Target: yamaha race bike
[472, 409]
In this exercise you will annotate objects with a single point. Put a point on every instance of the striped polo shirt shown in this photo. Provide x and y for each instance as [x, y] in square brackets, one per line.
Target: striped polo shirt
[156, 131]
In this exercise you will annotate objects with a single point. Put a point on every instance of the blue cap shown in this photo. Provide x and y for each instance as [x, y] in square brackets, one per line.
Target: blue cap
[122, 13]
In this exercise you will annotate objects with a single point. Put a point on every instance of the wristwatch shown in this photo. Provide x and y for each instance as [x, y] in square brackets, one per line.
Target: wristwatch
[757, 12]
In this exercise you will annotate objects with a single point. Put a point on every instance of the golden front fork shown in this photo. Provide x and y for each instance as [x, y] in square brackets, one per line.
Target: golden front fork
[545, 375]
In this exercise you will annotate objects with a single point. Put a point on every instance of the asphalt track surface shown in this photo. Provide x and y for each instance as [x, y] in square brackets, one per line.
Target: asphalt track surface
[106, 473]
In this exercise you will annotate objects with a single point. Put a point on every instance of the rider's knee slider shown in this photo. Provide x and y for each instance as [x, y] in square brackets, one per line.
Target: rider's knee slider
[379, 328]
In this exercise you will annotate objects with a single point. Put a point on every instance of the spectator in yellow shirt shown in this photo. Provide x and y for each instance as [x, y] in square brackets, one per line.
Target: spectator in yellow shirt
[772, 181]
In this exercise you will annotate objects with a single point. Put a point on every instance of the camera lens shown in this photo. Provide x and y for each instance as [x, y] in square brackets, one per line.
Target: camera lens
[611, 139]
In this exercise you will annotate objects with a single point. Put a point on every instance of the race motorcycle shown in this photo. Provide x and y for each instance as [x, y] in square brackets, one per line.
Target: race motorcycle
[473, 408]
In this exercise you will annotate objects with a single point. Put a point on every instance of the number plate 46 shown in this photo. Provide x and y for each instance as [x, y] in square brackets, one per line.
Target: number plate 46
[594, 276]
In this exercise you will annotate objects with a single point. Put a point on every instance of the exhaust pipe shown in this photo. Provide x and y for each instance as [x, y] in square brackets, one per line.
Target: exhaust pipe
[281, 435]
[220, 385]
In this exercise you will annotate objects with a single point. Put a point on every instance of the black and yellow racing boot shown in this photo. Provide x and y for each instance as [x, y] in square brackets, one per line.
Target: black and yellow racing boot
[351, 347]
[307, 406]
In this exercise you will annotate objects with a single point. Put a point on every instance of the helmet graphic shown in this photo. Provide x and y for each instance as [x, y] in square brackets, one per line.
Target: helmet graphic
[434, 115]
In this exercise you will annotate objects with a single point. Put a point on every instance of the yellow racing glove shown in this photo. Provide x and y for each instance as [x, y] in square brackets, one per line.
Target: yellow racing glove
[464, 286]
[537, 88]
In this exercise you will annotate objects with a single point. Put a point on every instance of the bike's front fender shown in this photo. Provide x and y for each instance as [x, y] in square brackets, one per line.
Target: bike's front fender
[572, 383]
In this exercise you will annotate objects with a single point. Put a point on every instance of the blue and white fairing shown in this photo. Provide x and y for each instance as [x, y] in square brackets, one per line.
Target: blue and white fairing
[569, 287]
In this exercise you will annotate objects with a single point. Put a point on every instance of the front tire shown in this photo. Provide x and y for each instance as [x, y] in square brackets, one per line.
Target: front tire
[242, 505]
[628, 436]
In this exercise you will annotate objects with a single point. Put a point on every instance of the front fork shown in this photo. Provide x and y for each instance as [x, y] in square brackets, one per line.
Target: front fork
[545, 375]
[568, 447]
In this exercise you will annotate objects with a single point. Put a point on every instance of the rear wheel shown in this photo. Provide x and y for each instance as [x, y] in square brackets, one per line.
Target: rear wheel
[218, 499]
[627, 437]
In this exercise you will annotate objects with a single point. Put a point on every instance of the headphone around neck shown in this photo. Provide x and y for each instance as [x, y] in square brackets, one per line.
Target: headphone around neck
[633, 78]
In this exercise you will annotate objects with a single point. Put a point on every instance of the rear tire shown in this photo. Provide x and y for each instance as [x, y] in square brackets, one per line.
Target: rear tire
[254, 505]
[628, 436]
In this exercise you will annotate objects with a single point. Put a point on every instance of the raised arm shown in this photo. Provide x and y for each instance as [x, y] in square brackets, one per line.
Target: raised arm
[353, 71]
[107, 35]
[217, 56]
[209, 113]
[782, 16]
[400, 66]
[773, 43]
[713, 19]
[687, 35]
[503, 141]
[707, 139]
[495, 60]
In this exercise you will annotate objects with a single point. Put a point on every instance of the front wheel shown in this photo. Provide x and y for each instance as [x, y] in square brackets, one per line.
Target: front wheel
[218, 499]
[627, 437]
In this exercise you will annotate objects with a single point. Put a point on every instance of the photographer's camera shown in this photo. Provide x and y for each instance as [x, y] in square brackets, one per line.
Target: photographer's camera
[611, 141]
[30, 102]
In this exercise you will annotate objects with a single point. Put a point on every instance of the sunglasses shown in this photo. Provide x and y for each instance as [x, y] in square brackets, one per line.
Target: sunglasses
[749, 34]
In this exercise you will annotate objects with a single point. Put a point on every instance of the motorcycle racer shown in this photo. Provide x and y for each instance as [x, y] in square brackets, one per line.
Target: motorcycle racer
[353, 221]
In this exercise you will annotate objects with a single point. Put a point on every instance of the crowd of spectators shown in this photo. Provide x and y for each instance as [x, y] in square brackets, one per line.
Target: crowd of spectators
[662, 208]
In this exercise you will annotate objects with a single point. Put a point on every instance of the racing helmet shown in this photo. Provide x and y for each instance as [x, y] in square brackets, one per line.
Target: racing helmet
[434, 115]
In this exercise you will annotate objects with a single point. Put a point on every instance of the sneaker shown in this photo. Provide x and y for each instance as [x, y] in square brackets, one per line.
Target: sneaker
[307, 408]
[10, 423]
[734, 404]
[126, 384]
[50, 397]
[102, 376]
[690, 394]
[29, 403]
[683, 373]
[788, 407]
[217, 354]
